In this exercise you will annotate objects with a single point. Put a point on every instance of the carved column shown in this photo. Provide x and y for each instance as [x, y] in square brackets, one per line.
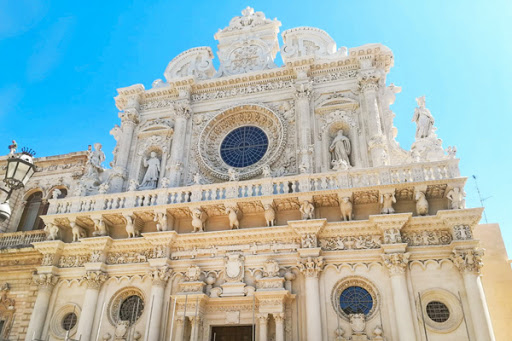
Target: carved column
[93, 280]
[129, 119]
[377, 143]
[160, 276]
[469, 262]
[45, 282]
[180, 324]
[183, 113]
[195, 322]
[279, 320]
[397, 264]
[302, 94]
[263, 320]
[311, 267]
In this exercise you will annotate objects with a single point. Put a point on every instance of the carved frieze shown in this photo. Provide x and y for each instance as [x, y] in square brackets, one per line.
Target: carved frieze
[351, 243]
[427, 237]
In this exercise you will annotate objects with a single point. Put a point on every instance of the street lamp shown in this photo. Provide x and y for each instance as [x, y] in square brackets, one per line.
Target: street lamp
[20, 167]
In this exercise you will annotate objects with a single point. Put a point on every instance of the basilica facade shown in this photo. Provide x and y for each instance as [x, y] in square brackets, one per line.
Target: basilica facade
[254, 202]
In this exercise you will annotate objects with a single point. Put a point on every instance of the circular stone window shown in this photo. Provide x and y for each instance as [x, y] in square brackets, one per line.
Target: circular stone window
[126, 305]
[244, 146]
[355, 295]
[356, 300]
[131, 309]
[69, 321]
[438, 311]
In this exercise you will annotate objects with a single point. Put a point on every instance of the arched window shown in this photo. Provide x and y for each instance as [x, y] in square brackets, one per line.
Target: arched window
[35, 207]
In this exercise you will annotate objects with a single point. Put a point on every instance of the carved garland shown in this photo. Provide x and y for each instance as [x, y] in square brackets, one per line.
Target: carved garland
[216, 130]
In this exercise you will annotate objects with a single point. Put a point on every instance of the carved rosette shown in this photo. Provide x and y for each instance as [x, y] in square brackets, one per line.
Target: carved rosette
[311, 266]
[94, 279]
[468, 260]
[45, 281]
[160, 275]
[216, 129]
[396, 262]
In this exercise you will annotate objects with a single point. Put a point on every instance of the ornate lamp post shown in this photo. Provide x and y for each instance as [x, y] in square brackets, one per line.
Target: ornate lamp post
[20, 167]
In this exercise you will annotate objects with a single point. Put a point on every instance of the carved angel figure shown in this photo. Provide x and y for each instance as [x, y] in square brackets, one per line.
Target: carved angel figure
[150, 179]
[423, 118]
[340, 148]
[307, 209]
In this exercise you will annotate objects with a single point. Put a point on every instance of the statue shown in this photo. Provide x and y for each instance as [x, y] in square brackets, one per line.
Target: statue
[56, 192]
[457, 198]
[340, 149]
[12, 148]
[199, 218]
[130, 227]
[198, 179]
[233, 174]
[133, 185]
[103, 188]
[52, 231]
[94, 160]
[100, 228]
[234, 216]
[346, 208]
[387, 200]
[421, 203]
[423, 118]
[307, 209]
[161, 221]
[270, 214]
[165, 182]
[77, 231]
[266, 172]
[150, 179]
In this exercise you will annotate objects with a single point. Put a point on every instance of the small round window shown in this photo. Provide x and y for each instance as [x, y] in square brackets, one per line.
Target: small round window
[131, 309]
[438, 311]
[244, 146]
[356, 300]
[69, 321]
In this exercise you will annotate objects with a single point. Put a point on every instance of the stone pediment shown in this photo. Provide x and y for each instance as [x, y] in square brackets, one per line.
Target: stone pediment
[196, 62]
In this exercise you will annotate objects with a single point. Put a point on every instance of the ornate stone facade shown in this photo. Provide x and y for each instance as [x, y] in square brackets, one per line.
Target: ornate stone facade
[253, 194]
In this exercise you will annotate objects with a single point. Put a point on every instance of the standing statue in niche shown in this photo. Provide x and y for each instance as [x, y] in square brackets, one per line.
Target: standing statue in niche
[424, 119]
[340, 149]
[152, 172]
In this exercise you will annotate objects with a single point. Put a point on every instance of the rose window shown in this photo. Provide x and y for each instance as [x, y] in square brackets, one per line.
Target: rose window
[438, 311]
[69, 321]
[131, 309]
[244, 146]
[356, 300]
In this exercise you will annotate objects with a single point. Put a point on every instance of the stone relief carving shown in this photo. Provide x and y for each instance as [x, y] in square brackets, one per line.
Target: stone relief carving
[392, 236]
[52, 231]
[234, 267]
[462, 232]
[309, 241]
[396, 262]
[73, 261]
[468, 260]
[100, 228]
[309, 41]
[350, 243]
[311, 266]
[127, 257]
[421, 238]
[196, 62]
[271, 268]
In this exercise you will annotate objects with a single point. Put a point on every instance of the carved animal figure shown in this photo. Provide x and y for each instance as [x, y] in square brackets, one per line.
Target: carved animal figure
[421, 203]
[130, 227]
[199, 218]
[234, 216]
[77, 231]
[270, 214]
[100, 228]
[387, 200]
[307, 209]
[346, 209]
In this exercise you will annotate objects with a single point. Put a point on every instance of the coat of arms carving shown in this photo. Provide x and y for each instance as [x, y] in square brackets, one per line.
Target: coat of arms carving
[234, 267]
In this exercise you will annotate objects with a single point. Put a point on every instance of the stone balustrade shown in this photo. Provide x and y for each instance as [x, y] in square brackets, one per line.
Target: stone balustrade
[295, 184]
[21, 238]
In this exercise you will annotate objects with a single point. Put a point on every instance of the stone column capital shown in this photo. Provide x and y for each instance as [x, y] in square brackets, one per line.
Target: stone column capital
[262, 317]
[369, 81]
[129, 116]
[311, 266]
[468, 260]
[396, 262]
[94, 279]
[160, 275]
[45, 281]
[278, 317]
[183, 109]
[303, 90]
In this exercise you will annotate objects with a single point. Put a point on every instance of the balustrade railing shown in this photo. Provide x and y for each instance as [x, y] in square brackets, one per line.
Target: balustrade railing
[351, 178]
[21, 238]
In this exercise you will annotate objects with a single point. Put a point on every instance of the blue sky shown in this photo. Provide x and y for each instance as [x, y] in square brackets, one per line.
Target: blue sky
[63, 60]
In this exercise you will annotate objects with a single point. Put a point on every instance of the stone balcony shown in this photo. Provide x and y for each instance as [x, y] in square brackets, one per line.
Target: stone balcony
[363, 186]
